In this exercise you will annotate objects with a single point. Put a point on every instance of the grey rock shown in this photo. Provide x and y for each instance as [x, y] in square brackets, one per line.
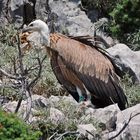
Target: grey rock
[18, 12]
[40, 9]
[3, 99]
[85, 128]
[69, 17]
[11, 106]
[132, 130]
[39, 102]
[56, 116]
[103, 114]
[69, 99]
[130, 60]
[53, 100]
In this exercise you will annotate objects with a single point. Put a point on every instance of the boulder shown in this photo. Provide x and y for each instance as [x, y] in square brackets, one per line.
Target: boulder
[86, 129]
[103, 114]
[67, 17]
[17, 11]
[11, 106]
[53, 100]
[132, 131]
[70, 100]
[39, 102]
[129, 60]
[56, 116]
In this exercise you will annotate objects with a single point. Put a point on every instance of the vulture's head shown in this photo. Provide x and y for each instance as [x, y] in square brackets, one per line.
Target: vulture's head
[41, 27]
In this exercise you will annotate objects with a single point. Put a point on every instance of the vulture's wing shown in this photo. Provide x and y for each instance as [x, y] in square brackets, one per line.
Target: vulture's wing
[58, 68]
[93, 68]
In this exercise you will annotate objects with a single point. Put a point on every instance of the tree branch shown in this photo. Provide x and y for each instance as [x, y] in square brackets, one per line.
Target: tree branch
[39, 72]
[10, 75]
[67, 133]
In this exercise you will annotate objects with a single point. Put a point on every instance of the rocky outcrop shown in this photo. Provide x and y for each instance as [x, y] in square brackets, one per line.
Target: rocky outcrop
[18, 12]
[84, 129]
[62, 110]
[65, 16]
[129, 60]
[132, 130]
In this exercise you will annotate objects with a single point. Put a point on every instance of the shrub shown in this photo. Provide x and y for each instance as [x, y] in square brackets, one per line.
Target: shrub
[125, 19]
[103, 6]
[12, 128]
[132, 91]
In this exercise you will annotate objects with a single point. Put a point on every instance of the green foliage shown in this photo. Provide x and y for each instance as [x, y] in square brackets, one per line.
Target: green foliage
[103, 6]
[132, 90]
[126, 20]
[12, 128]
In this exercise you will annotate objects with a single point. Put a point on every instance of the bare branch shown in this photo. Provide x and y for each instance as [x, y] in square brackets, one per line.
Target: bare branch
[10, 86]
[39, 72]
[10, 75]
[67, 133]
[90, 133]
[51, 137]
[18, 105]
[28, 106]
[24, 90]
[20, 56]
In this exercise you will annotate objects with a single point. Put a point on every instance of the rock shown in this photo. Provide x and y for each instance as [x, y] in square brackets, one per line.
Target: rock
[56, 116]
[103, 114]
[3, 99]
[40, 9]
[130, 60]
[11, 106]
[132, 131]
[53, 100]
[69, 99]
[17, 11]
[39, 102]
[69, 17]
[83, 128]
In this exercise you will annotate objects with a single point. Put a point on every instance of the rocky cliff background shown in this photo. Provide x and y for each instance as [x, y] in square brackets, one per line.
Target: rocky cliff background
[53, 111]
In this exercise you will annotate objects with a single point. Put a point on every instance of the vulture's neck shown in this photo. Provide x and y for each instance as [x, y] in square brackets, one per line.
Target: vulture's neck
[46, 37]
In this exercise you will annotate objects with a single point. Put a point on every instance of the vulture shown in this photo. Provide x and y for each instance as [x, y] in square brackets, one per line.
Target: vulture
[84, 69]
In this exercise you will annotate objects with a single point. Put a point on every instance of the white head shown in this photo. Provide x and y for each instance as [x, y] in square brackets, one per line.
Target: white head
[41, 27]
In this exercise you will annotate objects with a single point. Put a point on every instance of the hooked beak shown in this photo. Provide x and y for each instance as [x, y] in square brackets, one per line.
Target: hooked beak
[29, 29]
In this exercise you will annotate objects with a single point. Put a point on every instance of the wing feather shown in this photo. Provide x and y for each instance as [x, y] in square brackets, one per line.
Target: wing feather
[60, 77]
[65, 76]
[93, 68]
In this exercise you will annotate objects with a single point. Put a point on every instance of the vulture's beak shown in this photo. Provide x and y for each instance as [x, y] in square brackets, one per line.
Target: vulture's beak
[29, 29]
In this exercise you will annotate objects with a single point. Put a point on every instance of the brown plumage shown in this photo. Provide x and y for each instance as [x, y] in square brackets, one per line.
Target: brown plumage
[91, 67]
[83, 68]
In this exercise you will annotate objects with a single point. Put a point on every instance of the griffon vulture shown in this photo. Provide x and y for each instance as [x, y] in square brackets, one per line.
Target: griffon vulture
[84, 70]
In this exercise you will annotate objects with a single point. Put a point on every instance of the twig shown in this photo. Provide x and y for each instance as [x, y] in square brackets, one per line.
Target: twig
[39, 72]
[18, 104]
[10, 75]
[9, 86]
[24, 86]
[67, 133]
[90, 133]
[125, 125]
[52, 136]
[20, 56]
[28, 106]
